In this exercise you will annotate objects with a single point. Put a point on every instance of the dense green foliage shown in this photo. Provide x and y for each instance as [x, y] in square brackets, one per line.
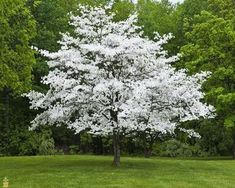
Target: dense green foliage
[204, 33]
[17, 27]
[210, 46]
[90, 171]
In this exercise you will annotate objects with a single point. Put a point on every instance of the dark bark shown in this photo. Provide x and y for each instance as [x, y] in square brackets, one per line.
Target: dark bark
[148, 145]
[116, 137]
[116, 149]
[147, 152]
[148, 149]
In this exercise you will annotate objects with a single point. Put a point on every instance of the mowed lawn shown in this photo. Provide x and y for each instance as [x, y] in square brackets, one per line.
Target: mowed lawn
[83, 171]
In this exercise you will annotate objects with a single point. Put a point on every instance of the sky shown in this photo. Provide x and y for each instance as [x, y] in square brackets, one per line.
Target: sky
[176, 1]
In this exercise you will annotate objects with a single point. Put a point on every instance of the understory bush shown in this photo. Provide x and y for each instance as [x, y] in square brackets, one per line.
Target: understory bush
[46, 144]
[175, 148]
[20, 142]
[73, 149]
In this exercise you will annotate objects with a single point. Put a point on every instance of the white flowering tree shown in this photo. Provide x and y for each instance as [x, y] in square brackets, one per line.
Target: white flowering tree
[109, 80]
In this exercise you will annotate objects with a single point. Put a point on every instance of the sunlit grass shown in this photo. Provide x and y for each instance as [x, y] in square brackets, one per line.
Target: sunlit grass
[97, 172]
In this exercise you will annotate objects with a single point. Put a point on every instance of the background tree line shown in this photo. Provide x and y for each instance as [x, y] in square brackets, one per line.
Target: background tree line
[204, 35]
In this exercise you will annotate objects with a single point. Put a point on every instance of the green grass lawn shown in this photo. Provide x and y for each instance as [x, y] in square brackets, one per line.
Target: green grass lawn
[96, 172]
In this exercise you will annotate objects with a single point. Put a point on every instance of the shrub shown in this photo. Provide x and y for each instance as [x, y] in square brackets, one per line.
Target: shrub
[46, 144]
[174, 148]
[73, 149]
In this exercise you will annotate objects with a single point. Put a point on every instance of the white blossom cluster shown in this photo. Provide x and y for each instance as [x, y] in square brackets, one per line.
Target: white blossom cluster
[107, 77]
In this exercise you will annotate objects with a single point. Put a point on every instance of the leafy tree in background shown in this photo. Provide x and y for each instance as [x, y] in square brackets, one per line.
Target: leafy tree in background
[17, 58]
[159, 16]
[210, 46]
[51, 18]
[122, 9]
[17, 28]
[156, 16]
[18, 32]
[183, 17]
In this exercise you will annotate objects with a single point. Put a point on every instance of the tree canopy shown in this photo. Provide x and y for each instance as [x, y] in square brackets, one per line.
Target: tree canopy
[109, 80]
[17, 27]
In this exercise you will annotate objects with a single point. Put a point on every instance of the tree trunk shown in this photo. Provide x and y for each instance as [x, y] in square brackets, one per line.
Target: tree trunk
[147, 152]
[116, 148]
[148, 146]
